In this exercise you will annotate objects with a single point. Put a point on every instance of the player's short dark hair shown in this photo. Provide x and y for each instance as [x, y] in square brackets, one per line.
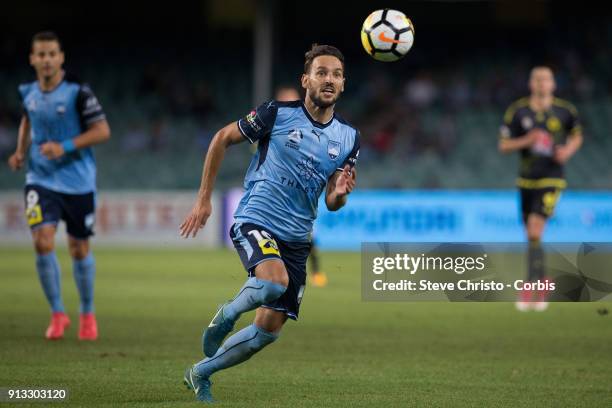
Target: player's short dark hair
[317, 50]
[542, 66]
[46, 36]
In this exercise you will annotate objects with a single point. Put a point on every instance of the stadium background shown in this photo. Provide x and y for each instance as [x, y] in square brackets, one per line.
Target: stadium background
[170, 75]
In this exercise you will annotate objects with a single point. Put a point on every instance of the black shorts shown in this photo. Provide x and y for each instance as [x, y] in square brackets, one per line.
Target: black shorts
[540, 201]
[256, 244]
[44, 206]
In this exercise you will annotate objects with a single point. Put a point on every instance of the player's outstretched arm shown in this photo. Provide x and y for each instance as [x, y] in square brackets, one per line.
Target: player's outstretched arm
[17, 159]
[202, 208]
[98, 132]
[339, 186]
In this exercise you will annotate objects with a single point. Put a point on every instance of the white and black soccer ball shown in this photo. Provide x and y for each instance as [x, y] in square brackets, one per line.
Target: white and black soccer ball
[387, 35]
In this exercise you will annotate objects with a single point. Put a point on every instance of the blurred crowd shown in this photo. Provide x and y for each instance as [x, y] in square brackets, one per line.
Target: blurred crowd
[400, 116]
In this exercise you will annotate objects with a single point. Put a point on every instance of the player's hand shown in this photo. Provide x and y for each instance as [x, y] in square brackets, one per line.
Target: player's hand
[533, 135]
[345, 183]
[51, 150]
[16, 160]
[562, 154]
[196, 219]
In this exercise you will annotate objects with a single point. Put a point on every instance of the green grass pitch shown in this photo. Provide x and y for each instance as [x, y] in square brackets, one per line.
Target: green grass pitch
[153, 304]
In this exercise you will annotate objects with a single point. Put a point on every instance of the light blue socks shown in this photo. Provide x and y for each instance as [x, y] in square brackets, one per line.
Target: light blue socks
[236, 349]
[84, 271]
[50, 278]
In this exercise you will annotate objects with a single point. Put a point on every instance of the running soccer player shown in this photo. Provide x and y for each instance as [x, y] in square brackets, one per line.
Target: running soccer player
[61, 120]
[547, 132]
[304, 149]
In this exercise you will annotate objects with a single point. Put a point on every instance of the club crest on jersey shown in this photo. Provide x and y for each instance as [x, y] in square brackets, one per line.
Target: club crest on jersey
[294, 138]
[553, 124]
[61, 109]
[527, 123]
[333, 149]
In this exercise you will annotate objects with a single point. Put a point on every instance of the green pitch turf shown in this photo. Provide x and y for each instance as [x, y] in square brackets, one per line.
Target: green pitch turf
[153, 304]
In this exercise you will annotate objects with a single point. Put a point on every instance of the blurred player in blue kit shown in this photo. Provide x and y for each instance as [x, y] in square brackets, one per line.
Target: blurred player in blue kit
[304, 148]
[61, 120]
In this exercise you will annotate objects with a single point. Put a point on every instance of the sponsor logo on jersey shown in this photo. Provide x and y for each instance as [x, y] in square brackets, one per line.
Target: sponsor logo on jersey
[308, 168]
[33, 210]
[543, 145]
[251, 119]
[269, 246]
[313, 189]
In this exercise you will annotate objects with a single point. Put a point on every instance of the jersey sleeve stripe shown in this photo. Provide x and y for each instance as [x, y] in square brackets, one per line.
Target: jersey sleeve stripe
[96, 118]
[244, 133]
[513, 108]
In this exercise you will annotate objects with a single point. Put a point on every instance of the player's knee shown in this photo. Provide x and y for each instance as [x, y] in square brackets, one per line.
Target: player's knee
[280, 277]
[535, 237]
[78, 249]
[273, 290]
[273, 271]
[534, 230]
[262, 339]
[534, 233]
[43, 243]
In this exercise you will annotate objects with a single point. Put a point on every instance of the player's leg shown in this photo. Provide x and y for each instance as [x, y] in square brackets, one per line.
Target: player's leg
[47, 265]
[546, 200]
[42, 214]
[84, 271]
[237, 349]
[267, 281]
[268, 284]
[245, 343]
[269, 318]
[49, 275]
[528, 208]
[535, 259]
[78, 212]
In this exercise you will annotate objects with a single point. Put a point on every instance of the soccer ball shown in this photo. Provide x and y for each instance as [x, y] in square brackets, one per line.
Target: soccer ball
[387, 35]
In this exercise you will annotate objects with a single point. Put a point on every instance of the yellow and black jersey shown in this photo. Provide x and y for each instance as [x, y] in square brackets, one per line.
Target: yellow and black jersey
[538, 168]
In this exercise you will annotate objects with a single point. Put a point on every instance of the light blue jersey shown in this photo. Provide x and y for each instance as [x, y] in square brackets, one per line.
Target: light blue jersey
[59, 115]
[295, 158]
